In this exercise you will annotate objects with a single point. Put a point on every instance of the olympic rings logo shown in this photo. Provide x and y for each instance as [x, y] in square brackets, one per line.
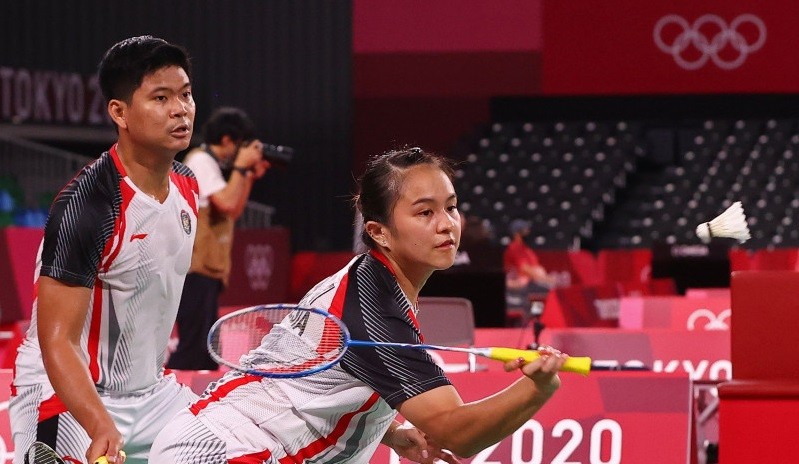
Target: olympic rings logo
[709, 48]
[714, 321]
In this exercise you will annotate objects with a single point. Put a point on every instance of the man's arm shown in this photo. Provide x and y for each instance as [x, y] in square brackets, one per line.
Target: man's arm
[61, 314]
[247, 168]
[538, 274]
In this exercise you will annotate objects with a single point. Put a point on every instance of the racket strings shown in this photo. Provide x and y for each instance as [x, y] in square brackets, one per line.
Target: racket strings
[39, 453]
[280, 342]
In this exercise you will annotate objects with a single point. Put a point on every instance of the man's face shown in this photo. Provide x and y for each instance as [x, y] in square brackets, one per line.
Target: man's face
[160, 116]
[229, 150]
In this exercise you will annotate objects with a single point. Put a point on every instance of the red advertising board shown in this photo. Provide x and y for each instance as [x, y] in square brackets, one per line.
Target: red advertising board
[18, 248]
[703, 355]
[6, 444]
[260, 273]
[676, 313]
[599, 47]
[261, 267]
[445, 26]
[607, 417]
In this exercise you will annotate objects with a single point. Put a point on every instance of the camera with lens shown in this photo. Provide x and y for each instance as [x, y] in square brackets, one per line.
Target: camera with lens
[278, 155]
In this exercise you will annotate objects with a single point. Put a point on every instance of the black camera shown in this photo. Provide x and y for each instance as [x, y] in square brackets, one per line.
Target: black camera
[278, 155]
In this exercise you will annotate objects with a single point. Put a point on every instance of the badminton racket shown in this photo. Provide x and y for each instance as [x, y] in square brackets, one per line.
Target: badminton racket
[287, 341]
[41, 453]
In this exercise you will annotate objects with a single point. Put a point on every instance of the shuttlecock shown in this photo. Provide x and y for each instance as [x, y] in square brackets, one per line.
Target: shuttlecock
[731, 223]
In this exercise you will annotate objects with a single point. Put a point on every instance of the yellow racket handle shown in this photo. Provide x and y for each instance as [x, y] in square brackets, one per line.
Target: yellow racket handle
[578, 365]
[104, 460]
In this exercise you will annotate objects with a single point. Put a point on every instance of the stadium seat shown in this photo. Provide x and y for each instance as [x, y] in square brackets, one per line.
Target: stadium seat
[448, 321]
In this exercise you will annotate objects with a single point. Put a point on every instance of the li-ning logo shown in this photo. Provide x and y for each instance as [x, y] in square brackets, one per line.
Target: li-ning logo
[714, 321]
[728, 47]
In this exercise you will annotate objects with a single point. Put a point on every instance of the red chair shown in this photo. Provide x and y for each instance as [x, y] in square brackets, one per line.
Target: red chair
[579, 306]
[778, 259]
[740, 259]
[625, 265]
[571, 267]
[759, 406]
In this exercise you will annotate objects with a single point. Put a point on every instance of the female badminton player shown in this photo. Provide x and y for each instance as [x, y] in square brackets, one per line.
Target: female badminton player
[412, 228]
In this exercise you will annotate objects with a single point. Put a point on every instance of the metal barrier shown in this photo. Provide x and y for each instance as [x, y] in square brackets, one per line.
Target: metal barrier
[41, 171]
[256, 216]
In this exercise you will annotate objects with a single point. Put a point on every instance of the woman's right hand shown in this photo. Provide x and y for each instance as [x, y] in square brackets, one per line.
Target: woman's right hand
[543, 370]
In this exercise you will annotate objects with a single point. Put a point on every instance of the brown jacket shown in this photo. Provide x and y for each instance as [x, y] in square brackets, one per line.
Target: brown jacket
[213, 245]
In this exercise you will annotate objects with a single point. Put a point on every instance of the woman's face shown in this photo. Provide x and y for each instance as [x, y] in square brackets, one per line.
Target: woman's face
[425, 227]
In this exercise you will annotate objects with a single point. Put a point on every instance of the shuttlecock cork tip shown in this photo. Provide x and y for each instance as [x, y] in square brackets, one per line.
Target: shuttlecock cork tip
[703, 232]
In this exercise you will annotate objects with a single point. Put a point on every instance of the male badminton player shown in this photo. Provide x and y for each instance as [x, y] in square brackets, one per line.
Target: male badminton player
[89, 376]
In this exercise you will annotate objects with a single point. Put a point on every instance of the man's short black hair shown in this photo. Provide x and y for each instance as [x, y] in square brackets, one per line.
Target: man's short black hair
[229, 121]
[125, 64]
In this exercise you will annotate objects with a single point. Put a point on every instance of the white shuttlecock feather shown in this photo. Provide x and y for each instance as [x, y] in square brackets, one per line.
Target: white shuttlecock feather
[731, 224]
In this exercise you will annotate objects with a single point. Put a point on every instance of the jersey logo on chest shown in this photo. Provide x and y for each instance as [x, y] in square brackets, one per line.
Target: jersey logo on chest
[185, 219]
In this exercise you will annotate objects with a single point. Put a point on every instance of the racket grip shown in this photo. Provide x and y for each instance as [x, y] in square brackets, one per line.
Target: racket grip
[104, 460]
[578, 365]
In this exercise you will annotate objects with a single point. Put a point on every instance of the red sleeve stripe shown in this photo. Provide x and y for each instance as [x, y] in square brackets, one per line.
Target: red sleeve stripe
[188, 188]
[114, 244]
[337, 305]
[93, 344]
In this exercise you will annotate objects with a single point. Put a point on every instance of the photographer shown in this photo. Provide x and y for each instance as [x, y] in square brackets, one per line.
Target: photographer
[229, 137]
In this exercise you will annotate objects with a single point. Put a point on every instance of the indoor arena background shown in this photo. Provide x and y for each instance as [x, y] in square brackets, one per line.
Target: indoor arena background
[614, 126]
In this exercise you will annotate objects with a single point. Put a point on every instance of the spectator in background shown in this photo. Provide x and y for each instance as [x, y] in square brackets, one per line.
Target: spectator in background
[525, 276]
[89, 376]
[477, 249]
[229, 137]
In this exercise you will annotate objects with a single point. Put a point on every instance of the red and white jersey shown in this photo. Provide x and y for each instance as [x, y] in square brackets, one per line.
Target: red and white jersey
[133, 253]
[340, 414]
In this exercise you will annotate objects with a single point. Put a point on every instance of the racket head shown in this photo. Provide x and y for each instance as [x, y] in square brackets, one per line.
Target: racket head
[278, 340]
[40, 453]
